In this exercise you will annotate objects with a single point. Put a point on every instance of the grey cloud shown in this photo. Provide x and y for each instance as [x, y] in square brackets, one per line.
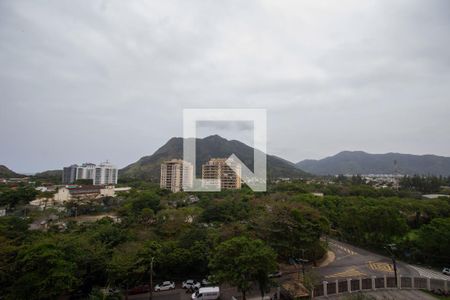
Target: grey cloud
[94, 80]
[226, 125]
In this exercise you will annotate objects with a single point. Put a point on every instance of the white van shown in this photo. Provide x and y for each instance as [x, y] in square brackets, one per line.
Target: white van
[207, 293]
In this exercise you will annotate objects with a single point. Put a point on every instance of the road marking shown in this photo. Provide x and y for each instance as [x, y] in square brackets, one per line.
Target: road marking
[430, 273]
[345, 249]
[380, 266]
[352, 272]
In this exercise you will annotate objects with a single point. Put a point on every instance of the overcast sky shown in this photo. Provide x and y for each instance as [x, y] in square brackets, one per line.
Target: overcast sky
[94, 80]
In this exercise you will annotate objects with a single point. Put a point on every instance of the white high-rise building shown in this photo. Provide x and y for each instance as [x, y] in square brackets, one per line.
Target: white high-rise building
[86, 171]
[105, 173]
[102, 174]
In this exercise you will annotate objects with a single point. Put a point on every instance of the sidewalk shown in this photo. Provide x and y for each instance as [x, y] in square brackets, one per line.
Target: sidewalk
[328, 258]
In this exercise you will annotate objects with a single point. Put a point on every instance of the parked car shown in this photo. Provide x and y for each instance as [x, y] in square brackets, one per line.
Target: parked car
[165, 286]
[190, 283]
[208, 281]
[446, 271]
[276, 274]
[207, 293]
[205, 282]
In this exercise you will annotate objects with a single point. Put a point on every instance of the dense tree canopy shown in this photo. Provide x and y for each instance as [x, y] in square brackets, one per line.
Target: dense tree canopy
[241, 260]
[239, 236]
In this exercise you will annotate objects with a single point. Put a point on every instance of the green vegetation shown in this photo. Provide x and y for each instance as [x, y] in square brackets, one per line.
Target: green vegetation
[11, 197]
[424, 184]
[241, 260]
[238, 237]
[7, 173]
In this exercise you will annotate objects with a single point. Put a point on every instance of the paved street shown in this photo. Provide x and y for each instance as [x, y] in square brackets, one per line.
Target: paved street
[180, 294]
[350, 261]
[355, 262]
[177, 294]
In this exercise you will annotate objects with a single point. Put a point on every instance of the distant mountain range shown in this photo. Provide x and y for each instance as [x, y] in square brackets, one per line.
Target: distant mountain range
[346, 162]
[359, 162]
[53, 175]
[214, 146]
[7, 173]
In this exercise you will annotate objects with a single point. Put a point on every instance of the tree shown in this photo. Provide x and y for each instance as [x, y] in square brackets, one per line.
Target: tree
[123, 266]
[241, 260]
[290, 228]
[373, 225]
[146, 216]
[8, 253]
[84, 181]
[433, 240]
[44, 272]
[22, 195]
[143, 200]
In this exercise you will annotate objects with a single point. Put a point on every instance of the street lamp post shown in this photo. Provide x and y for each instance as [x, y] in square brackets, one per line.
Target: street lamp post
[391, 248]
[150, 294]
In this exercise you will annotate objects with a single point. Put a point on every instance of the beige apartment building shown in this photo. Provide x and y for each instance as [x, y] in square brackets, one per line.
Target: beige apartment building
[216, 171]
[176, 174]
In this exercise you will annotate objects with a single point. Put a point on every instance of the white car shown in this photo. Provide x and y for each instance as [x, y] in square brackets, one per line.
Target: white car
[207, 293]
[165, 286]
[276, 274]
[190, 284]
[446, 271]
[207, 281]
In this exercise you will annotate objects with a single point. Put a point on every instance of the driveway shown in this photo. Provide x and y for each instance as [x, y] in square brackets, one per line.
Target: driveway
[352, 261]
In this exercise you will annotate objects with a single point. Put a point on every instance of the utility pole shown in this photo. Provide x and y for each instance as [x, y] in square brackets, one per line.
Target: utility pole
[150, 292]
[391, 248]
[303, 261]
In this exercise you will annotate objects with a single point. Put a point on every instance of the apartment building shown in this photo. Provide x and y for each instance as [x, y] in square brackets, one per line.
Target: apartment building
[86, 171]
[217, 172]
[176, 174]
[69, 174]
[105, 173]
[102, 174]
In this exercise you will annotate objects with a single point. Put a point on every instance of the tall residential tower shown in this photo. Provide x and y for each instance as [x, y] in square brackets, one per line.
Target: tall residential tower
[217, 172]
[176, 174]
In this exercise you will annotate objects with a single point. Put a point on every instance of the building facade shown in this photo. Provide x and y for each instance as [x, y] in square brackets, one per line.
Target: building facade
[69, 174]
[216, 172]
[105, 173]
[102, 174]
[176, 175]
[86, 171]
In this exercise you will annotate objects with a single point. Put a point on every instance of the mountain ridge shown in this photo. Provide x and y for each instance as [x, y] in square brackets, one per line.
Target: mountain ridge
[361, 162]
[5, 172]
[213, 146]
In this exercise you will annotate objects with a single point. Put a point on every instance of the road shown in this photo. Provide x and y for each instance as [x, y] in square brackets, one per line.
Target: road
[177, 294]
[180, 294]
[352, 261]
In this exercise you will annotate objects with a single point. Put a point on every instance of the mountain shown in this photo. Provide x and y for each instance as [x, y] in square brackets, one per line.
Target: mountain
[7, 173]
[148, 167]
[359, 162]
[50, 175]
